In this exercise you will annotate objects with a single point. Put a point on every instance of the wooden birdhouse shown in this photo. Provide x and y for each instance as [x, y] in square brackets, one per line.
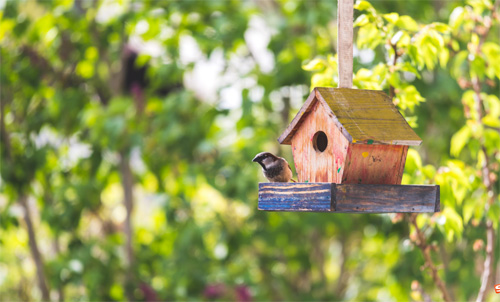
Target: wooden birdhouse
[349, 148]
[349, 136]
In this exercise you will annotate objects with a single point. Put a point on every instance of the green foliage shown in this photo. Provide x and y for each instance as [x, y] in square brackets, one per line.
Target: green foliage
[68, 126]
[410, 47]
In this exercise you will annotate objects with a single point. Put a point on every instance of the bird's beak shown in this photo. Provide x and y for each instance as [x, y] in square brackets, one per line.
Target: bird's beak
[255, 159]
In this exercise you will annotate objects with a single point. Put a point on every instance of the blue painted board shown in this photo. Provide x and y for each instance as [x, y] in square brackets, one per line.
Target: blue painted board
[348, 198]
[299, 197]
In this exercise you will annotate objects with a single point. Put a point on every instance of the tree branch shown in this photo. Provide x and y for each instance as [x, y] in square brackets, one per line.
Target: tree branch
[343, 279]
[488, 267]
[23, 201]
[127, 184]
[4, 137]
[392, 91]
[426, 251]
[488, 261]
[57, 250]
[35, 252]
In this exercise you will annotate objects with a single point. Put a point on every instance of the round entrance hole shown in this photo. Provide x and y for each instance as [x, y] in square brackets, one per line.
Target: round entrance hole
[320, 141]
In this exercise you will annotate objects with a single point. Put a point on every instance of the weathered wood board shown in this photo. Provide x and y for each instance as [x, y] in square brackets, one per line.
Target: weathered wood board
[295, 197]
[374, 164]
[344, 42]
[313, 166]
[348, 198]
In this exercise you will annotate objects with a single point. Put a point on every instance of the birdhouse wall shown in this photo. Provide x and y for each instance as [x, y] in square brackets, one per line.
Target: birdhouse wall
[374, 164]
[312, 165]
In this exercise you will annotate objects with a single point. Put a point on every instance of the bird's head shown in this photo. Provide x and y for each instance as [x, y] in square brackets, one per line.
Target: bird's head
[265, 159]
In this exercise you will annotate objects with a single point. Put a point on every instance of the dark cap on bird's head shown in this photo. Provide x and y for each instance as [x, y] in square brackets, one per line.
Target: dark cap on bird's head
[263, 155]
[276, 169]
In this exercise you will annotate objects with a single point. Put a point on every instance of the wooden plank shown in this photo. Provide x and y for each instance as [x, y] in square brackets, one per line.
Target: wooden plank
[374, 164]
[354, 198]
[438, 200]
[344, 42]
[348, 198]
[295, 197]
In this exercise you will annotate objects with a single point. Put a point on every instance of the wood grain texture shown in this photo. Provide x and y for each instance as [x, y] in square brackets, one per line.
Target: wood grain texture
[348, 198]
[354, 198]
[362, 116]
[344, 42]
[374, 164]
[297, 197]
[312, 165]
[438, 200]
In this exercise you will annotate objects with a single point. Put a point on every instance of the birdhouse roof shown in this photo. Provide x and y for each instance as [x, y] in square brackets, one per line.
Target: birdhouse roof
[363, 117]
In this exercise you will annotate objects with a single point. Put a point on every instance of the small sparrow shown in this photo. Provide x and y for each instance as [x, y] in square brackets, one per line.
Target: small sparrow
[275, 169]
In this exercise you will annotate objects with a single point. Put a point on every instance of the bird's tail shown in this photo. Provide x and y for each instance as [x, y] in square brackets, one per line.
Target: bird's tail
[292, 180]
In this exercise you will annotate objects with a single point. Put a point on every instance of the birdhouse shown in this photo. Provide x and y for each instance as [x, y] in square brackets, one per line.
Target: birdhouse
[349, 136]
[349, 148]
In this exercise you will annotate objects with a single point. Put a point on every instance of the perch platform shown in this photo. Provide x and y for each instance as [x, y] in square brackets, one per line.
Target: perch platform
[348, 198]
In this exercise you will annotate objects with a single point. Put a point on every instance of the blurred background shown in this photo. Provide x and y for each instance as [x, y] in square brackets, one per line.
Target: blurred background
[128, 129]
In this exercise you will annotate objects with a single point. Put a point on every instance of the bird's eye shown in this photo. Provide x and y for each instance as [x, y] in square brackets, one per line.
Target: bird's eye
[320, 141]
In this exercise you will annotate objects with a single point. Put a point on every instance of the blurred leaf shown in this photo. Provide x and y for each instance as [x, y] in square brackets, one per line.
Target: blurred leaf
[441, 27]
[315, 64]
[392, 17]
[363, 5]
[456, 17]
[413, 161]
[362, 20]
[459, 140]
[407, 22]
[85, 69]
[429, 171]
[494, 213]
[453, 225]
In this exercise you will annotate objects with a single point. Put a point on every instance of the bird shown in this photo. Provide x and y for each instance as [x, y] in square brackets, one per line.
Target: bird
[275, 169]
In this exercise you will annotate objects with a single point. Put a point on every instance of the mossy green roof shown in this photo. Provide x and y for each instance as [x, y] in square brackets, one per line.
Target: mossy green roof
[363, 116]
